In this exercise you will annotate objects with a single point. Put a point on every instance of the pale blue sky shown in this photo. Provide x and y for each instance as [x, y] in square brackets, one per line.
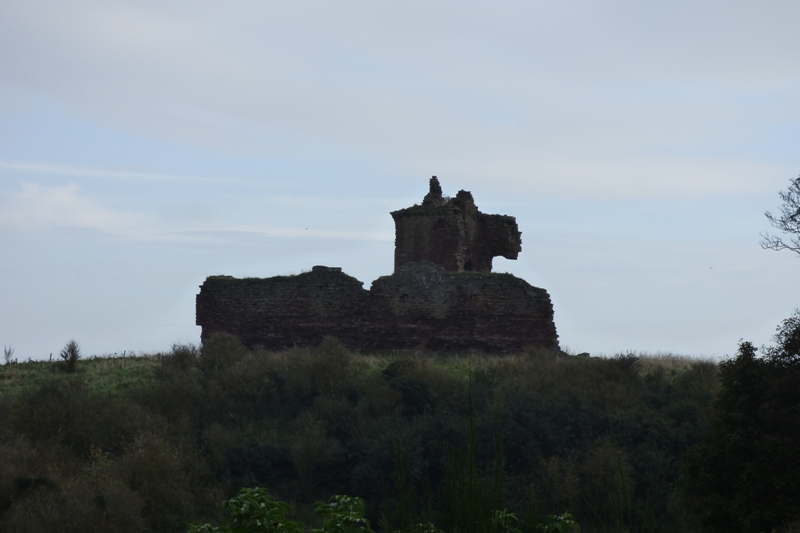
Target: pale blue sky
[146, 145]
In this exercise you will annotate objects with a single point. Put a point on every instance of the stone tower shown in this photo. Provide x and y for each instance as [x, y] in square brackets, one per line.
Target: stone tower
[453, 233]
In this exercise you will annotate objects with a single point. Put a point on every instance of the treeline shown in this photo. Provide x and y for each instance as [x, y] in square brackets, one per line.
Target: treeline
[543, 433]
[745, 475]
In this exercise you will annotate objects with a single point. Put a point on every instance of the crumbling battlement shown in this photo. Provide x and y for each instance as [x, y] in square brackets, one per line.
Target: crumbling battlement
[419, 307]
[441, 296]
[453, 233]
[282, 311]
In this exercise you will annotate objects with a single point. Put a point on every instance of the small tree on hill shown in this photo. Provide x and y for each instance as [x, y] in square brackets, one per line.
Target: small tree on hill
[70, 353]
[788, 221]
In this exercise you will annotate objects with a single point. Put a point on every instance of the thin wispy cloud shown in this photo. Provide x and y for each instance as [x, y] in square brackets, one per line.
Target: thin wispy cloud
[36, 207]
[86, 172]
[546, 99]
[219, 235]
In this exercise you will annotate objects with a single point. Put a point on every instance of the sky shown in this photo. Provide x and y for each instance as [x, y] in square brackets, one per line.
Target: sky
[145, 145]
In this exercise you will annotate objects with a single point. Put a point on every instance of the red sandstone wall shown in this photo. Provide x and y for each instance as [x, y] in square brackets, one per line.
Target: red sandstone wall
[282, 311]
[419, 307]
[454, 234]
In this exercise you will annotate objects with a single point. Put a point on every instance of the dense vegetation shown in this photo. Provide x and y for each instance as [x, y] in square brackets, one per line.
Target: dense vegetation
[155, 443]
[256, 511]
[745, 476]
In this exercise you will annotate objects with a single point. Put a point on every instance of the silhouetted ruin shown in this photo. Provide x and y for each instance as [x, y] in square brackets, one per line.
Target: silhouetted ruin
[442, 295]
[452, 233]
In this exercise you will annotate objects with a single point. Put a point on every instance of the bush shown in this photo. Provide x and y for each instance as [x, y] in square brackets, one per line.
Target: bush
[8, 352]
[70, 353]
[65, 413]
[343, 514]
[181, 359]
[334, 367]
[87, 503]
[416, 395]
[155, 470]
[255, 511]
[252, 511]
[218, 354]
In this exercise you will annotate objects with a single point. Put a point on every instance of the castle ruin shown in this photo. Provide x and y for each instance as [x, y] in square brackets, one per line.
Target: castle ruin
[442, 295]
[453, 234]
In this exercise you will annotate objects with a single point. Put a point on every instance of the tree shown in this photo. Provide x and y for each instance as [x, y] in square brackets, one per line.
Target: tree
[253, 511]
[70, 353]
[746, 475]
[788, 221]
[256, 511]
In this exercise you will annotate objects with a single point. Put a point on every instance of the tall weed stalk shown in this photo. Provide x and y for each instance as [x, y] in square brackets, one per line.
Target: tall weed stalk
[469, 505]
[622, 509]
[400, 486]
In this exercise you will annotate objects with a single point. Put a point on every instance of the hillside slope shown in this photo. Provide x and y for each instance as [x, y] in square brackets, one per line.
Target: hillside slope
[154, 443]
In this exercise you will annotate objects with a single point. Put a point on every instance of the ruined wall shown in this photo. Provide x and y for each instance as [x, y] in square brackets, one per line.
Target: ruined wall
[442, 295]
[453, 233]
[282, 311]
[419, 307]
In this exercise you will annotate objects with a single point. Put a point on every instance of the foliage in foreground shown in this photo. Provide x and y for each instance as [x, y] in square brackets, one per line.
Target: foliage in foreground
[256, 511]
[253, 511]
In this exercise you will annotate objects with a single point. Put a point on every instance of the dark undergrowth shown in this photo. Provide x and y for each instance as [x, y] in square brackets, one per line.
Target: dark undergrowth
[156, 443]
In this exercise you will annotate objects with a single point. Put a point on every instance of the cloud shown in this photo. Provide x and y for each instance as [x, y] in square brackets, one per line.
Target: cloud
[560, 95]
[61, 207]
[71, 170]
[37, 207]
[224, 233]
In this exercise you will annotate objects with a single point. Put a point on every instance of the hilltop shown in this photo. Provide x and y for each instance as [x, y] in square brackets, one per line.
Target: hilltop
[156, 442]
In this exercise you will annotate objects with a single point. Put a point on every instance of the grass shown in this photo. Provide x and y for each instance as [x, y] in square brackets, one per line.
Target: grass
[119, 374]
[102, 374]
[113, 373]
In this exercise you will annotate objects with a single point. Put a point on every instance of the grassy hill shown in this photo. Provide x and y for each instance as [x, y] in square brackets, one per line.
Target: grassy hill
[153, 443]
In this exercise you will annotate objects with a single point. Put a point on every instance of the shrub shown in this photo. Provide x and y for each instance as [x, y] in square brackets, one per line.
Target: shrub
[8, 352]
[260, 463]
[562, 523]
[342, 514]
[255, 511]
[337, 366]
[65, 413]
[416, 395]
[70, 353]
[182, 358]
[155, 470]
[252, 511]
[311, 448]
[219, 353]
[78, 506]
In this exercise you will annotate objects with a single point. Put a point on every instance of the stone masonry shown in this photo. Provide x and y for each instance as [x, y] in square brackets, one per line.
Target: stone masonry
[453, 233]
[441, 297]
